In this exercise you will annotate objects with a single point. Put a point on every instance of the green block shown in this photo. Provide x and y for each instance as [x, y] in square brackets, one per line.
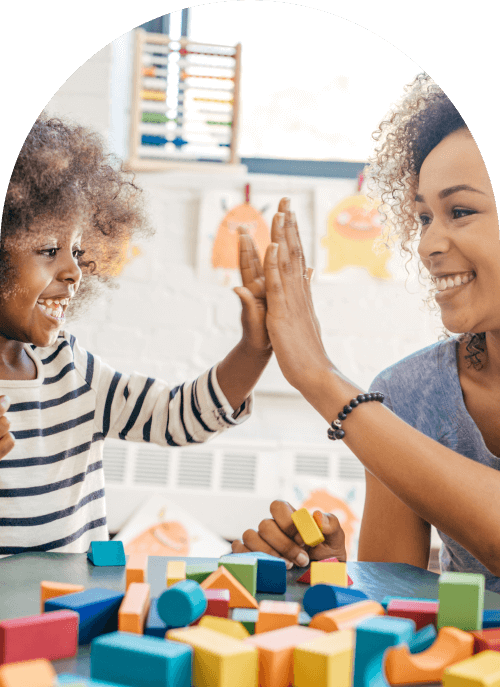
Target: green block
[247, 617]
[243, 569]
[200, 571]
[461, 601]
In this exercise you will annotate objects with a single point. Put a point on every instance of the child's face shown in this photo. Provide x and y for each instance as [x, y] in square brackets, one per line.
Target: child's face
[46, 270]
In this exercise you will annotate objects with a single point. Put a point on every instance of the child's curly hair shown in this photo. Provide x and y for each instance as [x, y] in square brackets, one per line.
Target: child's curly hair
[63, 175]
[421, 120]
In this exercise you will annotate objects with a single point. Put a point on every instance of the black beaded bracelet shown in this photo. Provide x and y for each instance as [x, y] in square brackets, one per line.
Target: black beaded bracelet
[335, 431]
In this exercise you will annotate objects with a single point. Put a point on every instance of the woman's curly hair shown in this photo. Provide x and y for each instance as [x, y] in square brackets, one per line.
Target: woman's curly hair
[63, 175]
[417, 124]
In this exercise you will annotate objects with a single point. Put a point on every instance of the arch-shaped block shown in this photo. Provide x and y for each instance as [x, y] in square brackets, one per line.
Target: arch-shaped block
[451, 646]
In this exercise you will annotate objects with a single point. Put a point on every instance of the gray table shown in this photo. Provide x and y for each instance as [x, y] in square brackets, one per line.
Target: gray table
[20, 578]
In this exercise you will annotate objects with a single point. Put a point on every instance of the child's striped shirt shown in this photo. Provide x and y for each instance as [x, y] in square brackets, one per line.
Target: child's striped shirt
[52, 482]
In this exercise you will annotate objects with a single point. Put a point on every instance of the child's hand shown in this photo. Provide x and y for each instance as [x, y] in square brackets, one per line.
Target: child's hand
[278, 536]
[6, 439]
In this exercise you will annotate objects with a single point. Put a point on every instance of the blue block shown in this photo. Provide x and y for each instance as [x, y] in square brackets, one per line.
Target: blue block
[136, 660]
[69, 679]
[387, 599]
[323, 597]
[154, 626]
[182, 604]
[105, 553]
[97, 608]
[491, 619]
[373, 637]
[271, 571]
[423, 639]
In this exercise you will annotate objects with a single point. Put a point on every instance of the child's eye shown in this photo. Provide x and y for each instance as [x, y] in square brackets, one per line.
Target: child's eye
[50, 252]
[78, 253]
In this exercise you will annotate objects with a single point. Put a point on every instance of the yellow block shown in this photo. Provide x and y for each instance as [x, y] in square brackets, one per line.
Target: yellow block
[219, 661]
[480, 670]
[307, 527]
[329, 573]
[326, 661]
[39, 673]
[176, 572]
[232, 628]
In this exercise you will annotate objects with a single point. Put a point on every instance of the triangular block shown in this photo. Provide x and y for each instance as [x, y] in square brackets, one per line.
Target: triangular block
[105, 553]
[306, 577]
[222, 579]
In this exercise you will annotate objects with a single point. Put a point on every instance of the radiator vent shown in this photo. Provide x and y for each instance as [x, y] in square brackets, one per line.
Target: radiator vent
[239, 471]
[151, 466]
[350, 468]
[115, 462]
[195, 470]
[311, 464]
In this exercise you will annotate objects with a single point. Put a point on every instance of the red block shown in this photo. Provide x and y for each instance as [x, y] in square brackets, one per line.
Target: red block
[217, 603]
[306, 577]
[51, 635]
[486, 640]
[422, 612]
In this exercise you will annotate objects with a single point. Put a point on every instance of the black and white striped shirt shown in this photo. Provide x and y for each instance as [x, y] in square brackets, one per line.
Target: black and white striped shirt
[52, 482]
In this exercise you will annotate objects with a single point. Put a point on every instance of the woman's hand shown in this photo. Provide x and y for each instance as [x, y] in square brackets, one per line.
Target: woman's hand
[278, 536]
[6, 439]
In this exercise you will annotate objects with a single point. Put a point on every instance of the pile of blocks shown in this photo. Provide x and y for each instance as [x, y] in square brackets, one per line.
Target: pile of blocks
[206, 629]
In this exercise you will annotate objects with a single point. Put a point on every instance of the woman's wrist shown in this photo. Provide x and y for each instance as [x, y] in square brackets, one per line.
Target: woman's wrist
[328, 391]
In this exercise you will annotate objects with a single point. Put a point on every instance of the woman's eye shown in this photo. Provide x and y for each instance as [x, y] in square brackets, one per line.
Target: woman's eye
[425, 220]
[461, 212]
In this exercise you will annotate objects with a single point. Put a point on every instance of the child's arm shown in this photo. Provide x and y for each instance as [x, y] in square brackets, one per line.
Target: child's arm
[6, 438]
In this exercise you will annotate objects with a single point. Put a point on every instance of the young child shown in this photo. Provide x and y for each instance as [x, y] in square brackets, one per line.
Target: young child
[66, 217]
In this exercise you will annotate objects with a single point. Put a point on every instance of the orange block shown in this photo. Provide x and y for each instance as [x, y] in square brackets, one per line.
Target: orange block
[276, 614]
[451, 646]
[39, 673]
[346, 617]
[276, 653]
[239, 596]
[134, 608]
[136, 569]
[49, 590]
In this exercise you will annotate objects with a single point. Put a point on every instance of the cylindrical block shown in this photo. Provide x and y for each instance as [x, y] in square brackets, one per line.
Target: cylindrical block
[323, 597]
[346, 617]
[182, 604]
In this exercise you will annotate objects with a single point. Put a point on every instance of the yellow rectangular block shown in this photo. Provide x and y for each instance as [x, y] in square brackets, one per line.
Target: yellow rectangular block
[176, 572]
[329, 573]
[38, 673]
[219, 660]
[307, 527]
[480, 670]
[134, 608]
[136, 569]
[231, 628]
[326, 661]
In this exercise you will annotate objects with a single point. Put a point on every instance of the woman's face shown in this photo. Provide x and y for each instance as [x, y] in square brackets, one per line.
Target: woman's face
[459, 242]
[46, 277]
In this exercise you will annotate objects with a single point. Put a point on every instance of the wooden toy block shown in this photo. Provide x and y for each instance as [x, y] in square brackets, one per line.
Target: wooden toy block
[491, 619]
[105, 553]
[97, 608]
[274, 615]
[176, 572]
[182, 604]
[373, 637]
[461, 601]
[304, 618]
[346, 617]
[136, 660]
[219, 661]
[200, 571]
[136, 569]
[329, 573]
[39, 673]
[69, 680]
[222, 579]
[134, 608]
[231, 628]
[422, 612]
[243, 569]
[387, 600]
[306, 577]
[422, 639]
[271, 572]
[480, 670]
[323, 597]
[154, 625]
[486, 640]
[217, 603]
[451, 646]
[276, 653]
[247, 617]
[307, 527]
[50, 590]
[326, 661]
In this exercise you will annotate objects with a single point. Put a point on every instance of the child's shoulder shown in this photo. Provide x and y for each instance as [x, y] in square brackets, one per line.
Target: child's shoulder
[65, 351]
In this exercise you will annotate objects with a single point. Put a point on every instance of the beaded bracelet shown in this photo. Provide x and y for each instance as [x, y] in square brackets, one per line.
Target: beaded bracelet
[336, 431]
